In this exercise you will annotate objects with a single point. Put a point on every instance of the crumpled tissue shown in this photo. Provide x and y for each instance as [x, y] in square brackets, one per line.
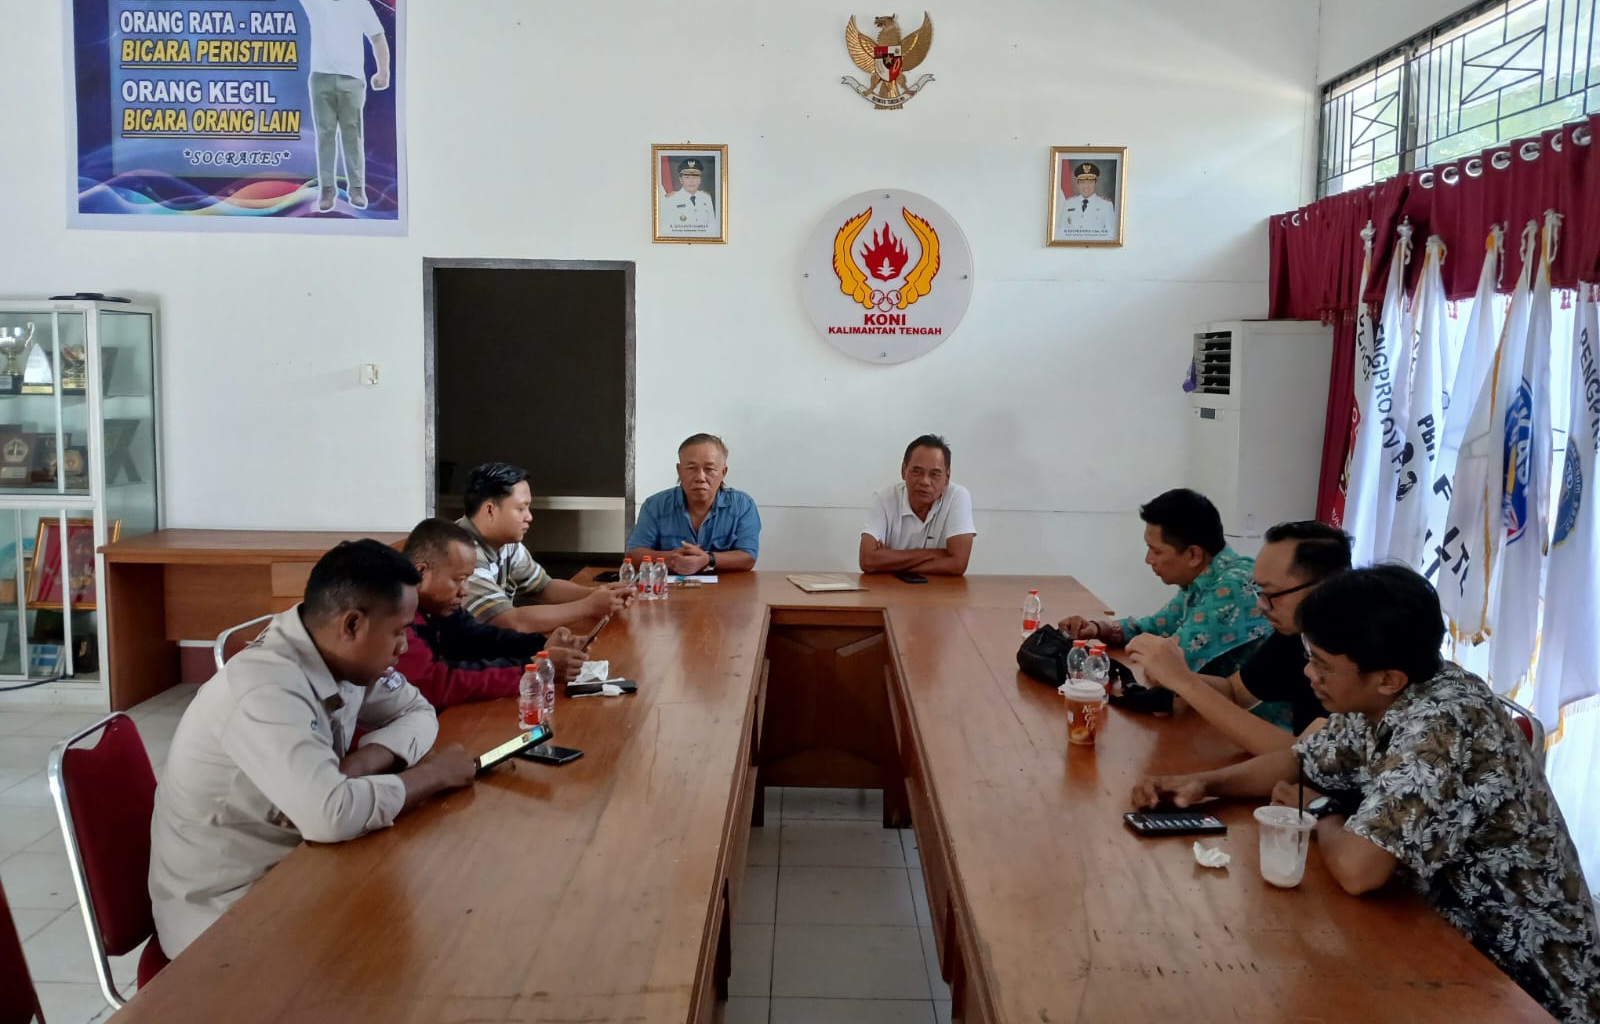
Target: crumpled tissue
[1210, 856]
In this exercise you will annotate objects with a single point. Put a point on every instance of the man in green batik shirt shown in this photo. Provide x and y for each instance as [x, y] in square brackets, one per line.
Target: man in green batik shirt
[1214, 616]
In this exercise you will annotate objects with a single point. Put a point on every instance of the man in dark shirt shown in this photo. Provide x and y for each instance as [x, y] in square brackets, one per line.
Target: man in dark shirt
[452, 657]
[1270, 690]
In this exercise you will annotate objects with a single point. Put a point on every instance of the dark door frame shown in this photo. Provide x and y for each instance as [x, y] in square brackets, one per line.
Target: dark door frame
[430, 357]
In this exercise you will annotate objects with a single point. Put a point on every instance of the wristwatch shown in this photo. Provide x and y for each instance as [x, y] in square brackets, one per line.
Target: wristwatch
[1323, 806]
[711, 566]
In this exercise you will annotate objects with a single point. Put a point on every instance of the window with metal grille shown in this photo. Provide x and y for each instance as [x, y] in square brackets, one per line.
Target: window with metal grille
[1497, 72]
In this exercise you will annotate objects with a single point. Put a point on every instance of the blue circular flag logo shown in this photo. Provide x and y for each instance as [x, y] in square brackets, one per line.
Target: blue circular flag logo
[1571, 494]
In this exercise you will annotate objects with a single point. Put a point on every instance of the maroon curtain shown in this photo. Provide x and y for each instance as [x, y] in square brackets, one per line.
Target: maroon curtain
[1316, 251]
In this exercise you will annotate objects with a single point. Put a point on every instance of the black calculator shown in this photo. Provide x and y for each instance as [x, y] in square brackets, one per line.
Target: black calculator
[1174, 823]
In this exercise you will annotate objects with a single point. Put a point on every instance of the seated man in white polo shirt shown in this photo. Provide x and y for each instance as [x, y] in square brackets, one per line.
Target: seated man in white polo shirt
[923, 523]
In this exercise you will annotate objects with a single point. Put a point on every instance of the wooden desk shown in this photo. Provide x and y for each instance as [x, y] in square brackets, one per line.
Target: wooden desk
[176, 585]
[602, 890]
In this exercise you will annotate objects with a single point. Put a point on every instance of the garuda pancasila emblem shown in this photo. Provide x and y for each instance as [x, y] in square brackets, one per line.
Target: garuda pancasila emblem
[888, 61]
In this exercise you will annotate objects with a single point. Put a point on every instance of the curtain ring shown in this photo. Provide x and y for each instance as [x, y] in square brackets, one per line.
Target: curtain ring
[1500, 159]
[1557, 141]
[1529, 150]
[1474, 168]
[1450, 175]
[1580, 135]
[1294, 218]
[1425, 179]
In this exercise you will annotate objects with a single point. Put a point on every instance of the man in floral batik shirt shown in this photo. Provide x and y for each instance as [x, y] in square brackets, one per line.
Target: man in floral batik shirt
[1436, 784]
[1214, 617]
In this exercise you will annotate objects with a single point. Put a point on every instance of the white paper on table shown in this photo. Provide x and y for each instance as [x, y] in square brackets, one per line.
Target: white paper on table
[594, 672]
[695, 579]
[1210, 856]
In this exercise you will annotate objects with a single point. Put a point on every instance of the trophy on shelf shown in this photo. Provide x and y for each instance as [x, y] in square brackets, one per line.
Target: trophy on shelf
[15, 344]
[74, 370]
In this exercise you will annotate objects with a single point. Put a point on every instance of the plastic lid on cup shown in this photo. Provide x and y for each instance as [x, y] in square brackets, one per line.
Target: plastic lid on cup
[1084, 690]
[1280, 816]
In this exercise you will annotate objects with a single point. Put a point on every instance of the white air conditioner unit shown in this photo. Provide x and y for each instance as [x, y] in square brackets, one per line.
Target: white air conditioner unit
[1255, 439]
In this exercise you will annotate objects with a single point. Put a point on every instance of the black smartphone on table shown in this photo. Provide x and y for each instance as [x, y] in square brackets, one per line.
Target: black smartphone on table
[592, 689]
[610, 576]
[514, 747]
[549, 753]
[907, 576]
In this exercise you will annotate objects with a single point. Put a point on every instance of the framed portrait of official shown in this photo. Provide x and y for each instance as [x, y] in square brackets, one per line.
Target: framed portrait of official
[1088, 195]
[689, 193]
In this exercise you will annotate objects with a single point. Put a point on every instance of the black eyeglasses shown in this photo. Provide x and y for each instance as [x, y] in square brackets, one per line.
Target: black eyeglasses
[1266, 597]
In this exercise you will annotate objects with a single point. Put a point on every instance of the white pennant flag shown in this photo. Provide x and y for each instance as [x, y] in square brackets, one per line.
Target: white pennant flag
[1415, 500]
[1569, 665]
[1362, 390]
[1463, 383]
[1382, 366]
[1473, 531]
[1525, 496]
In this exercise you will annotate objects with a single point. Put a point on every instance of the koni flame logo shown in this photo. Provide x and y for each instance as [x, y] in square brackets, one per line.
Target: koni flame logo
[886, 256]
[884, 259]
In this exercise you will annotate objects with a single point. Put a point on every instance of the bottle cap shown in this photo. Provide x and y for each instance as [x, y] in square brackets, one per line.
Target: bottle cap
[1033, 591]
[646, 558]
[531, 667]
[542, 654]
[1080, 643]
[627, 561]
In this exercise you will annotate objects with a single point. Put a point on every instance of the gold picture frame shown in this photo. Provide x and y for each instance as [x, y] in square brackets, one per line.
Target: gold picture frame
[45, 577]
[678, 213]
[1088, 196]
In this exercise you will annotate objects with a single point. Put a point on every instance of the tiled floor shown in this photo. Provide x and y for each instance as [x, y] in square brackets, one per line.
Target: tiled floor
[33, 862]
[834, 926]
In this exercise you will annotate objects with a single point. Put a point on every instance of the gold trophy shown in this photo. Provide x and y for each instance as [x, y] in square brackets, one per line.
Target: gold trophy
[74, 370]
[15, 344]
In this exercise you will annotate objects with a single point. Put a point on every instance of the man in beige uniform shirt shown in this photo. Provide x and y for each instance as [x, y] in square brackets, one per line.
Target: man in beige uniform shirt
[262, 758]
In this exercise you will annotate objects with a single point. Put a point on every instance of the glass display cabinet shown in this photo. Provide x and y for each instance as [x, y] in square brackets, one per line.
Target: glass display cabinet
[80, 467]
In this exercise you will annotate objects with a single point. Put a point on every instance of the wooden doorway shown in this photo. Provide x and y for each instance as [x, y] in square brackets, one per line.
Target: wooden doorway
[532, 362]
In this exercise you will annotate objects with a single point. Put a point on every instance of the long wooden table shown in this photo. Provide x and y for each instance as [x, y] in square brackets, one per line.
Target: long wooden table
[174, 585]
[602, 890]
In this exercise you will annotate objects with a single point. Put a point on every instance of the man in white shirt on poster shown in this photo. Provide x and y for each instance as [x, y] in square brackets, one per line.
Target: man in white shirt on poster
[338, 90]
[690, 211]
[922, 524]
[1087, 216]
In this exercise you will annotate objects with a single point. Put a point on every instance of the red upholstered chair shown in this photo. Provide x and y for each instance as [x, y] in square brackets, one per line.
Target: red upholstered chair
[19, 1002]
[1532, 729]
[105, 795]
[236, 638]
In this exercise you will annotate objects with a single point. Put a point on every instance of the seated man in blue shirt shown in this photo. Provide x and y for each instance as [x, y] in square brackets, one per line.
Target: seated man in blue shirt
[701, 525]
[1214, 615]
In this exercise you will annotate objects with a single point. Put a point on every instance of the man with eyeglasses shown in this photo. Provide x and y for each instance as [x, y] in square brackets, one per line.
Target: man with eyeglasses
[1214, 617]
[1268, 702]
[1445, 791]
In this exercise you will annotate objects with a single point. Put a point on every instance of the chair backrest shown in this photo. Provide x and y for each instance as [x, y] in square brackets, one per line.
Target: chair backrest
[236, 638]
[1532, 729]
[19, 1000]
[105, 796]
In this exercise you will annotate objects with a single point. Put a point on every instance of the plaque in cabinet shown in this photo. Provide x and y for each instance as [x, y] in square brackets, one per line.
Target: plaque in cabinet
[16, 457]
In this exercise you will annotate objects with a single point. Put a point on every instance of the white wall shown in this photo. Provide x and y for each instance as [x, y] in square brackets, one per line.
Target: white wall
[1355, 31]
[530, 127]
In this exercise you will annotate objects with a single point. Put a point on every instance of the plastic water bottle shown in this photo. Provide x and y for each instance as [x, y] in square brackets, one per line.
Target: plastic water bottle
[1076, 658]
[1032, 611]
[647, 575]
[1097, 669]
[659, 584]
[626, 575]
[529, 696]
[546, 673]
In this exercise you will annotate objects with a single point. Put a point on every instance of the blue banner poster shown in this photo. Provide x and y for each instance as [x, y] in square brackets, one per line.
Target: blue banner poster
[253, 115]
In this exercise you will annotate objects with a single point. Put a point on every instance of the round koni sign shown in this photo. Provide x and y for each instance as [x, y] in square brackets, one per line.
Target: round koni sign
[887, 276]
